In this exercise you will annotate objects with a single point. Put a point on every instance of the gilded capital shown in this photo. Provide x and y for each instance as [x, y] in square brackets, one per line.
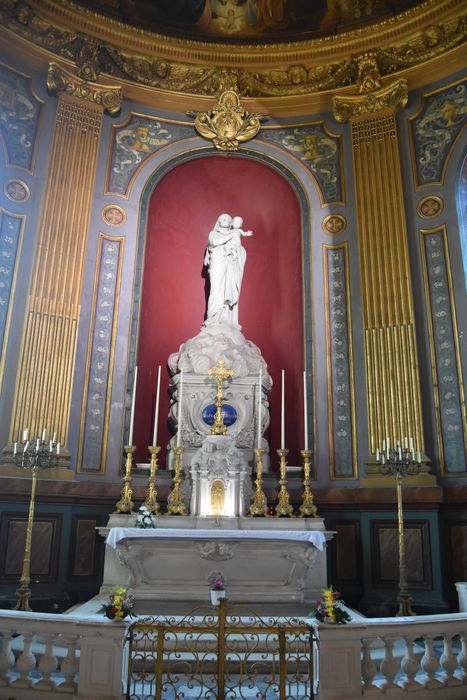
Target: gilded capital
[227, 124]
[392, 97]
[62, 81]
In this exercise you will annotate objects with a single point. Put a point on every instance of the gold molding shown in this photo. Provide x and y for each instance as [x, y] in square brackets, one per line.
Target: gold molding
[61, 80]
[391, 97]
[290, 78]
[430, 206]
[434, 373]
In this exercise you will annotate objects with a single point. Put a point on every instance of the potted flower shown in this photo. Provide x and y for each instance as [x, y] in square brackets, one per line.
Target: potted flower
[331, 609]
[217, 590]
[119, 605]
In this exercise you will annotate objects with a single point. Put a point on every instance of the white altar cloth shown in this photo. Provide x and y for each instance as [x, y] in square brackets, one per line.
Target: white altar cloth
[314, 537]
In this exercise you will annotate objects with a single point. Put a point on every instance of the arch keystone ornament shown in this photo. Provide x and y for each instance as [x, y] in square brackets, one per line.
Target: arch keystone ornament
[228, 123]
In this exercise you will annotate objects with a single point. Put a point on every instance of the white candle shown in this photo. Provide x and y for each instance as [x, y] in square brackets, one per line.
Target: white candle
[283, 412]
[305, 410]
[384, 445]
[58, 448]
[37, 445]
[50, 446]
[377, 454]
[260, 384]
[179, 421]
[54, 437]
[26, 445]
[132, 415]
[156, 414]
[15, 448]
[411, 443]
[25, 434]
[43, 434]
[406, 443]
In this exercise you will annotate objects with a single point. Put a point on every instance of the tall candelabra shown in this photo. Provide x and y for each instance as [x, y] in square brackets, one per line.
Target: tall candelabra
[400, 462]
[34, 456]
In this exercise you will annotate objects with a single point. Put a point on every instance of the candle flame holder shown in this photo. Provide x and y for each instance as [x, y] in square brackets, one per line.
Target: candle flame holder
[283, 508]
[151, 493]
[259, 505]
[308, 508]
[125, 504]
[401, 463]
[175, 505]
[35, 456]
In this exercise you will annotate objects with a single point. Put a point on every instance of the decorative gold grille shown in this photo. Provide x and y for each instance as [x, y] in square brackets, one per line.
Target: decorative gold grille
[225, 656]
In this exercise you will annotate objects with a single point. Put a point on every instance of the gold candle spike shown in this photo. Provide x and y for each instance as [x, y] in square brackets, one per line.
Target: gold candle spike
[175, 505]
[151, 493]
[23, 593]
[259, 504]
[283, 507]
[125, 504]
[307, 508]
[221, 374]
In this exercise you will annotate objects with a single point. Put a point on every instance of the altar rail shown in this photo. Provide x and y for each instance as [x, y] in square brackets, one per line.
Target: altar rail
[45, 655]
[226, 652]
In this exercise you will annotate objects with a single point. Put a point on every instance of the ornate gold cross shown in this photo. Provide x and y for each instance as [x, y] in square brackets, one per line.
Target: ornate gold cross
[221, 373]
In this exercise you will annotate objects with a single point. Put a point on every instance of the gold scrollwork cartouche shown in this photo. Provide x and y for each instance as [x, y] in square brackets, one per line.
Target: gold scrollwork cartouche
[227, 124]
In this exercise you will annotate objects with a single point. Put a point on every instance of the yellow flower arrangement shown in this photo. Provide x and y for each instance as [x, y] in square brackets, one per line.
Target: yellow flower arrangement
[330, 608]
[119, 605]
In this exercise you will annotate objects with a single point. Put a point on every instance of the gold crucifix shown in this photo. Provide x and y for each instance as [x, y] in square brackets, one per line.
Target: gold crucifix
[221, 373]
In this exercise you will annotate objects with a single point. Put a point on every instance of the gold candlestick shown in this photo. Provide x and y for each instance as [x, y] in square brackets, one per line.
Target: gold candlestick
[125, 504]
[175, 505]
[23, 593]
[307, 508]
[151, 493]
[259, 504]
[283, 507]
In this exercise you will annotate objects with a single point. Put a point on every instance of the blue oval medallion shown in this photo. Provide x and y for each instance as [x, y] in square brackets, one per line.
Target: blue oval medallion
[229, 414]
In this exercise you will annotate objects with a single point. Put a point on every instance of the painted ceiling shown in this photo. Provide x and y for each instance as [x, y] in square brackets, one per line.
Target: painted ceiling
[250, 20]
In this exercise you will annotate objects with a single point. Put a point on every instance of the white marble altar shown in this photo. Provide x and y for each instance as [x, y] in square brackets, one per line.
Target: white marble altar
[260, 560]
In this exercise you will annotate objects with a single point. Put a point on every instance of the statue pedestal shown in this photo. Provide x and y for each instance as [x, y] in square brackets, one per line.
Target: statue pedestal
[260, 559]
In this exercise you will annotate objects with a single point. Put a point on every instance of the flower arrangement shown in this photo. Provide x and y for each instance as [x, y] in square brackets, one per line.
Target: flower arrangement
[119, 605]
[330, 608]
[217, 584]
[145, 519]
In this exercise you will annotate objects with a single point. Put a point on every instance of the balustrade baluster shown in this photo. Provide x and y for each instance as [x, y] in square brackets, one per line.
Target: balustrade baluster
[26, 663]
[47, 664]
[389, 665]
[410, 665]
[69, 666]
[369, 666]
[430, 664]
[462, 657]
[448, 661]
[7, 658]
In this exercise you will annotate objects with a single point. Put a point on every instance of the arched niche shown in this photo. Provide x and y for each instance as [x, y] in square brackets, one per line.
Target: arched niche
[179, 205]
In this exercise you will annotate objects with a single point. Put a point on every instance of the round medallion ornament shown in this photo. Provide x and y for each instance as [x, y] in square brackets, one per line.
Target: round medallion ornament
[114, 215]
[229, 414]
[16, 190]
[431, 206]
[334, 223]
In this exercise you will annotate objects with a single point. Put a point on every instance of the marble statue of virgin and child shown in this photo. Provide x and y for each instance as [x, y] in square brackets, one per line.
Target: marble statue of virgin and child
[225, 258]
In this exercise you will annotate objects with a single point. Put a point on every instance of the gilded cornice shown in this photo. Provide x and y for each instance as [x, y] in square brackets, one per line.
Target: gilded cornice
[173, 65]
[61, 80]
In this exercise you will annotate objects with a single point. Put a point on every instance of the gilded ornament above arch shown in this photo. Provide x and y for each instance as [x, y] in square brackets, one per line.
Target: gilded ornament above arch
[102, 45]
[435, 129]
[107, 96]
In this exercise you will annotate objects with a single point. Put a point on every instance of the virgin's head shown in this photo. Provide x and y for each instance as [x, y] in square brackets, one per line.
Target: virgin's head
[225, 220]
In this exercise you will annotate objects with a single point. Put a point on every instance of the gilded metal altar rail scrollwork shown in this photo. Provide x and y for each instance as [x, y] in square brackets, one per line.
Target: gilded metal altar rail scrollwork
[224, 655]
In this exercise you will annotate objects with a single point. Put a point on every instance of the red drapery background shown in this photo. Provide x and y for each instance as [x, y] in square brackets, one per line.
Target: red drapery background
[183, 209]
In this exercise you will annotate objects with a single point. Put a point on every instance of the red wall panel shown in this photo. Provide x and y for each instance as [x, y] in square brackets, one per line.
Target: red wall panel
[183, 208]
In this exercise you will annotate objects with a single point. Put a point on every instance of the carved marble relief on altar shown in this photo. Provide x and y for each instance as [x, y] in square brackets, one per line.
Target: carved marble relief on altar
[434, 131]
[96, 400]
[321, 153]
[446, 366]
[11, 229]
[20, 112]
[135, 141]
[342, 438]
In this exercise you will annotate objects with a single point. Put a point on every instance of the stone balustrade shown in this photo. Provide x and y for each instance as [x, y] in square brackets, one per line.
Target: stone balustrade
[84, 657]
